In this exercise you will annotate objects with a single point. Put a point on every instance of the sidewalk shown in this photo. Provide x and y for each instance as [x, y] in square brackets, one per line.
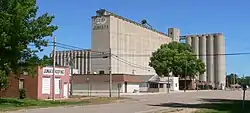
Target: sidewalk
[115, 94]
[180, 91]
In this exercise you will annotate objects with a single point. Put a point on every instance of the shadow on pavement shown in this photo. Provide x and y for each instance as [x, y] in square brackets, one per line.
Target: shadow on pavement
[217, 105]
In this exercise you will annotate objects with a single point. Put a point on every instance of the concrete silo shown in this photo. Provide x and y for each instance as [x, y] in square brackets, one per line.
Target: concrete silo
[210, 48]
[219, 61]
[189, 40]
[195, 45]
[210, 59]
[202, 55]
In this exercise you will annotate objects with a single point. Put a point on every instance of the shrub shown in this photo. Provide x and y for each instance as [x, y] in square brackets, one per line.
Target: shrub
[22, 93]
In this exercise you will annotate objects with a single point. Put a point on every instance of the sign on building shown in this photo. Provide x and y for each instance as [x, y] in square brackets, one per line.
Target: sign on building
[100, 23]
[49, 71]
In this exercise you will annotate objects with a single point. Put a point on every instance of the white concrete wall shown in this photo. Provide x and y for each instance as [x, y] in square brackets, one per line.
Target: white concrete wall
[94, 88]
[143, 87]
[134, 44]
[100, 43]
[102, 88]
[131, 87]
[174, 82]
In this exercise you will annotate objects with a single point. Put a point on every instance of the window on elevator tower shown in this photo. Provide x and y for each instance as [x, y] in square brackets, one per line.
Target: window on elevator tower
[101, 72]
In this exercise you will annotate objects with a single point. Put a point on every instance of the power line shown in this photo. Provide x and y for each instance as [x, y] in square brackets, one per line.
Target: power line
[226, 54]
[117, 57]
[147, 55]
[128, 63]
[102, 55]
[70, 47]
[79, 48]
[131, 63]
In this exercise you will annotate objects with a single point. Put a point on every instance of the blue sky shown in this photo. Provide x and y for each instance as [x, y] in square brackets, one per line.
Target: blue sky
[230, 17]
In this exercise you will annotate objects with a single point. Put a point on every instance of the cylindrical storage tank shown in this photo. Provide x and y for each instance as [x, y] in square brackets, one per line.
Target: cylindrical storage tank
[219, 61]
[210, 59]
[75, 59]
[81, 62]
[202, 55]
[61, 59]
[79, 58]
[195, 47]
[189, 40]
[57, 57]
[68, 57]
[64, 62]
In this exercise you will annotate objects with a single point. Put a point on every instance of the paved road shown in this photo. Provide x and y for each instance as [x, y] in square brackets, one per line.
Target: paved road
[145, 103]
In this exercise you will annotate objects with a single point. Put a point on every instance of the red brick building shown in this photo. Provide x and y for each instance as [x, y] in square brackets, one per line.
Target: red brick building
[40, 86]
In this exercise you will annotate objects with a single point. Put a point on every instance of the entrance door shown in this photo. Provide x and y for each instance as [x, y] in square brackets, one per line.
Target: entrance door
[126, 87]
[65, 90]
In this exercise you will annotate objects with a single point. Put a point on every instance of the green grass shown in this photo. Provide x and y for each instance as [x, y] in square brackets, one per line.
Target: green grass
[9, 104]
[230, 106]
[209, 105]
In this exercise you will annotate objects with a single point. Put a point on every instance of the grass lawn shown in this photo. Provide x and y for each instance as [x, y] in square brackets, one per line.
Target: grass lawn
[9, 104]
[229, 106]
[210, 105]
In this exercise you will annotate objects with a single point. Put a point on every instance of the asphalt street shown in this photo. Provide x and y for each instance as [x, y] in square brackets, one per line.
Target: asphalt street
[145, 103]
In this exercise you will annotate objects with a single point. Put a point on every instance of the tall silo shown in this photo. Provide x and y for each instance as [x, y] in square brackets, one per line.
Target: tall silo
[202, 55]
[195, 45]
[210, 59]
[189, 40]
[64, 63]
[219, 61]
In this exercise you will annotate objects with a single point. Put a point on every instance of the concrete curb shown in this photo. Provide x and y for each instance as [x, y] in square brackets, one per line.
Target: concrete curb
[181, 91]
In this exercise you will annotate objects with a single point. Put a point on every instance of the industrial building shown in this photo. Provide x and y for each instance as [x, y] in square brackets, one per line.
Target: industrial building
[211, 49]
[131, 42]
[93, 85]
[131, 45]
[80, 60]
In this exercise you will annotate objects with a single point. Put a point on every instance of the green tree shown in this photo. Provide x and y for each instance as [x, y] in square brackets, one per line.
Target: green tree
[247, 80]
[19, 27]
[232, 78]
[46, 61]
[177, 58]
[243, 80]
[31, 65]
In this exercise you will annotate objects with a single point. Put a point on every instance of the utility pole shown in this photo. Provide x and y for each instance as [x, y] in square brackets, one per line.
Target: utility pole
[185, 77]
[168, 85]
[243, 79]
[54, 65]
[71, 77]
[227, 81]
[110, 74]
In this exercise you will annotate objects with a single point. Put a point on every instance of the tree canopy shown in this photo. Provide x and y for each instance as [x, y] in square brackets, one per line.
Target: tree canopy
[19, 27]
[177, 58]
[233, 78]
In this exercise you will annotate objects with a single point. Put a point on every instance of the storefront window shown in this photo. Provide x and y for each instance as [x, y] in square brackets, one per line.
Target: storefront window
[153, 85]
[161, 85]
[21, 83]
